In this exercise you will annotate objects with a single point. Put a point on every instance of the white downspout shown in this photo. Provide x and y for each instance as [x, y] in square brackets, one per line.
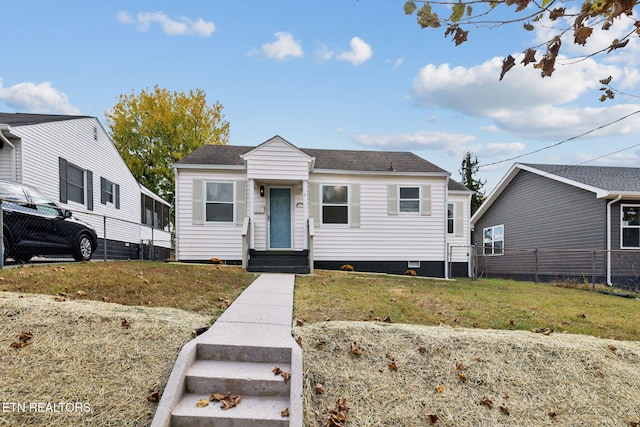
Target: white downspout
[446, 234]
[6, 128]
[617, 199]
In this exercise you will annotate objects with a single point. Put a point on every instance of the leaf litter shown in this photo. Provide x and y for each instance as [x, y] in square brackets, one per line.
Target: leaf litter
[465, 377]
[114, 358]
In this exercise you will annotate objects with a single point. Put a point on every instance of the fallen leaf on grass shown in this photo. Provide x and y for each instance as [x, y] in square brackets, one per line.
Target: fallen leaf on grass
[459, 365]
[319, 388]
[462, 376]
[393, 366]
[25, 336]
[125, 323]
[439, 389]
[487, 402]
[422, 349]
[320, 343]
[552, 413]
[153, 396]
[504, 409]
[18, 344]
[612, 347]
[433, 418]
[582, 316]
[81, 293]
[338, 417]
[59, 298]
[299, 341]
[355, 350]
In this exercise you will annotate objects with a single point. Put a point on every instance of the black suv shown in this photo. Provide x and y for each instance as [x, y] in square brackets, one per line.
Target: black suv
[34, 225]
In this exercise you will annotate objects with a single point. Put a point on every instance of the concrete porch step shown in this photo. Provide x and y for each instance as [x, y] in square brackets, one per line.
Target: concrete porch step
[246, 378]
[252, 411]
[243, 353]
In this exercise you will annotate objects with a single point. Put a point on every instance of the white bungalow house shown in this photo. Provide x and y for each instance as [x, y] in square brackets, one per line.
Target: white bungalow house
[72, 160]
[276, 207]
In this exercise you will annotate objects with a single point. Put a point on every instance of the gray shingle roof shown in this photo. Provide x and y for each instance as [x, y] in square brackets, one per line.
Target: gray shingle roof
[611, 178]
[23, 119]
[351, 160]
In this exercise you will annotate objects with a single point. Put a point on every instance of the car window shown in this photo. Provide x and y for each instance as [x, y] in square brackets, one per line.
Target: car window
[12, 192]
[43, 205]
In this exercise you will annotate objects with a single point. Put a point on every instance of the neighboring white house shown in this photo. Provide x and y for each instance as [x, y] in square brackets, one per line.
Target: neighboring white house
[378, 211]
[72, 160]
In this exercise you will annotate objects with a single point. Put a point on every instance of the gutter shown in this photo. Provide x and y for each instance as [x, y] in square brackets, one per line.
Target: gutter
[617, 199]
[7, 128]
[446, 234]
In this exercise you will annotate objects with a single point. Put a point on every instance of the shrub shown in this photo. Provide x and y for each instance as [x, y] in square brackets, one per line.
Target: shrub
[410, 272]
[216, 260]
[347, 267]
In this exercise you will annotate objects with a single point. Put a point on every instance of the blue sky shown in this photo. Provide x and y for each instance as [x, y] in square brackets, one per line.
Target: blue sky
[332, 74]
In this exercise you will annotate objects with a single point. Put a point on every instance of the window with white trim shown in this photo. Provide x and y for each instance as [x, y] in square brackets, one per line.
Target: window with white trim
[493, 240]
[630, 226]
[219, 202]
[409, 200]
[450, 218]
[335, 204]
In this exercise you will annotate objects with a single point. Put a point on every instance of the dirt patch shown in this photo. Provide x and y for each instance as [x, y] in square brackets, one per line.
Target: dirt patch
[82, 367]
[467, 377]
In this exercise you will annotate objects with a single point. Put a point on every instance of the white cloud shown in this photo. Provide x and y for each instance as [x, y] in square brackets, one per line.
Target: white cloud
[523, 103]
[496, 149]
[360, 52]
[421, 140]
[184, 26]
[395, 63]
[284, 46]
[323, 53]
[36, 98]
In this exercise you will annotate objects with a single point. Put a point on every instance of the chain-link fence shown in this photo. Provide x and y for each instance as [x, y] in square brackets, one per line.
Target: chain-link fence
[46, 232]
[620, 268]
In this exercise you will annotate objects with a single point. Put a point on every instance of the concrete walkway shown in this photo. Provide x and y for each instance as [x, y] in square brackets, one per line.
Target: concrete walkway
[237, 355]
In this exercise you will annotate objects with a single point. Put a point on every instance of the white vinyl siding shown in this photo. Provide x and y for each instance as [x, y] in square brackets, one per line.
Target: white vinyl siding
[198, 239]
[277, 160]
[75, 142]
[382, 236]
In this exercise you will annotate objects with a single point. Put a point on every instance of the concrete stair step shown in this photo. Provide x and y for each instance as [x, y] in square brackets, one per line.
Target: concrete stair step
[252, 411]
[243, 353]
[246, 378]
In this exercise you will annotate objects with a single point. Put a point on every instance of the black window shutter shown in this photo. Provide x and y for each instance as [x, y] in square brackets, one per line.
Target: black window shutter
[116, 195]
[103, 191]
[89, 190]
[62, 165]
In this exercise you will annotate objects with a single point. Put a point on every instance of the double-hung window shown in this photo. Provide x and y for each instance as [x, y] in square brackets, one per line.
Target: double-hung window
[630, 226]
[450, 218]
[335, 204]
[219, 202]
[409, 199]
[76, 184]
[493, 240]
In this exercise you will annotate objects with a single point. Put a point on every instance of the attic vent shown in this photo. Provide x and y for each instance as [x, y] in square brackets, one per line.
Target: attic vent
[95, 133]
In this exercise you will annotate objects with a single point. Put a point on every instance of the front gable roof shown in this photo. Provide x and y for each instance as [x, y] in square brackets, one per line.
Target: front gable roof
[226, 156]
[606, 182]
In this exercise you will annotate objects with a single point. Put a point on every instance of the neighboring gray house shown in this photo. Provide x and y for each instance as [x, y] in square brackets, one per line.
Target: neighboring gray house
[282, 208]
[584, 220]
[73, 161]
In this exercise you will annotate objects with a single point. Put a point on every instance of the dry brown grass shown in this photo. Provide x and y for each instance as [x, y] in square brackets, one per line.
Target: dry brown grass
[81, 354]
[538, 380]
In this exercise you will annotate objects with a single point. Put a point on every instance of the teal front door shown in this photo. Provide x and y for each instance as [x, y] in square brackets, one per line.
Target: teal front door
[279, 218]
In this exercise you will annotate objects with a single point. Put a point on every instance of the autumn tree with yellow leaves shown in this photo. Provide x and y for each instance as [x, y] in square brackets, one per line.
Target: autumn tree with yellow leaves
[156, 128]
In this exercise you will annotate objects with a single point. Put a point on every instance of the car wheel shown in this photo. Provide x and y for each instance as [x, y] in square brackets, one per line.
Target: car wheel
[83, 250]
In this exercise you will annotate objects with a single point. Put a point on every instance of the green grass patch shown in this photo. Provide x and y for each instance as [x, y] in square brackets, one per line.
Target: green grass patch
[486, 303]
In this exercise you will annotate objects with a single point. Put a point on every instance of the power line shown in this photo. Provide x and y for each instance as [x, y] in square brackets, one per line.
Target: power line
[565, 140]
